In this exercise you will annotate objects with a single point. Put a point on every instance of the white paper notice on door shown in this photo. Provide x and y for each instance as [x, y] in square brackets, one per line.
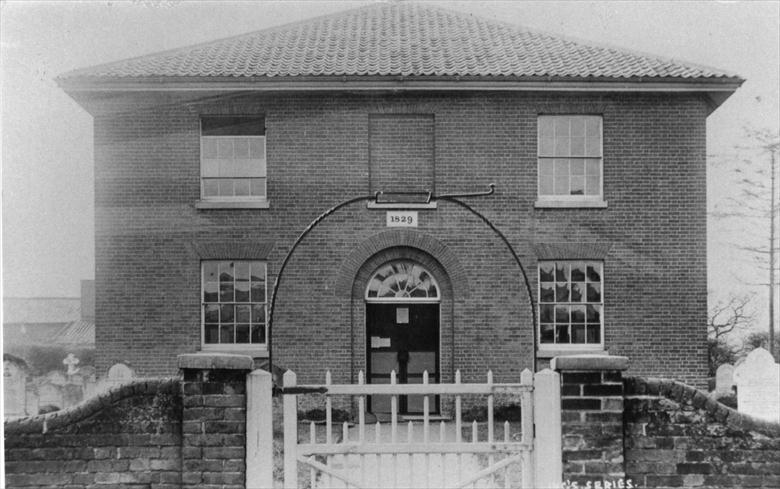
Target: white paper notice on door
[402, 315]
[379, 342]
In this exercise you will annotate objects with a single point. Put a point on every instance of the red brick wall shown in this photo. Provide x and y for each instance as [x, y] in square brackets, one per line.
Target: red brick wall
[592, 426]
[156, 434]
[214, 429]
[402, 156]
[130, 437]
[676, 436]
[148, 231]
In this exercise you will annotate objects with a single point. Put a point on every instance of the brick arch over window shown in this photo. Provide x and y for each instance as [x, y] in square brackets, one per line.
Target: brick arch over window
[435, 255]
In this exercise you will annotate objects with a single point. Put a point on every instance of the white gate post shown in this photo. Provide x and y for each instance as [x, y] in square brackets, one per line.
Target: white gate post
[259, 430]
[527, 419]
[548, 457]
[291, 432]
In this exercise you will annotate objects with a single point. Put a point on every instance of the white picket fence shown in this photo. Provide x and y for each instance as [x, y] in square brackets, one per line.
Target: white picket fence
[384, 456]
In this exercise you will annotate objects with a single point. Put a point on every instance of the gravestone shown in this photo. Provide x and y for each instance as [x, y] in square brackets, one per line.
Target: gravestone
[724, 379]
[90, 382]
[49, 394]
[73, 390]
[89, 373]
[14, 388]
[118, 374]
[31, 406]
[758, 386]
[72, 394]
[54, 377]
[76, 379]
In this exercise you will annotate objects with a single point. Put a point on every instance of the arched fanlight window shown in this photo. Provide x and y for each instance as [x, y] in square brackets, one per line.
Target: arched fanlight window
[402, 280]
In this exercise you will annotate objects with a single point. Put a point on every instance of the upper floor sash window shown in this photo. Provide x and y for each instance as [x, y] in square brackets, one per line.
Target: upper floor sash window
[570, 158]
[232, 163]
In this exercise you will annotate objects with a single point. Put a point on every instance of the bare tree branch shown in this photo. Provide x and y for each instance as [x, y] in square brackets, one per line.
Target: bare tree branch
[725, 317]
[755, 249]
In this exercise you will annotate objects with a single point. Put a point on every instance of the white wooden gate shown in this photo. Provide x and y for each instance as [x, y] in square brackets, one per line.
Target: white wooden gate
[413, 454]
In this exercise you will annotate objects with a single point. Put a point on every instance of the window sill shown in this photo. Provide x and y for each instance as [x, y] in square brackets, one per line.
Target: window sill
[401, 205]
[250, 351]
[570, 204]
[232, 204]
[550, 353]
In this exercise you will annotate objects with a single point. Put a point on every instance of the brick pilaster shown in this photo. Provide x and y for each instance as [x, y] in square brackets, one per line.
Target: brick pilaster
[592, 418]
[214, 420]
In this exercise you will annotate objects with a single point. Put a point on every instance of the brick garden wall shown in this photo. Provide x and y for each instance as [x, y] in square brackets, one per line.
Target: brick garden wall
[151, 237]
[192, 433]
[128, 437]
[592, 424]
[214, 429]
[637, 432]
[157, 434]
[676, 436]
[591, 418]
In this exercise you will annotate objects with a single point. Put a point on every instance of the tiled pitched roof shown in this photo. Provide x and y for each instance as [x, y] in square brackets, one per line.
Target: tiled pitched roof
[79, 332]
[26, 334]
[398, 39]
[41, 309]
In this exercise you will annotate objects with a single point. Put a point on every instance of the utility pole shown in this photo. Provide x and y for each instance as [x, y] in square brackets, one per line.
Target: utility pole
[772, 252]
[751, 206]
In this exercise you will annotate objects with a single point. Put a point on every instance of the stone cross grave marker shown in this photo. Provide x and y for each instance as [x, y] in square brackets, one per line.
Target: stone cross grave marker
[71, 361]
[758, 386]
[724, 379]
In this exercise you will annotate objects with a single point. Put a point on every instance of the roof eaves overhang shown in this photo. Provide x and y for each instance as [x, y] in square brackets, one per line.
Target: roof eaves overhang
[717, 89]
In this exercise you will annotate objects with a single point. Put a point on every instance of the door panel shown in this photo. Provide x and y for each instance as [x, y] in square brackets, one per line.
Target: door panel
[414, 404]
[379, 404]
[420, 361]
[404, 338]
[384, 362]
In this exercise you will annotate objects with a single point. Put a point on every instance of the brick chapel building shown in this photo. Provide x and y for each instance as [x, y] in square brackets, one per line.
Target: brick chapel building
[353, 154]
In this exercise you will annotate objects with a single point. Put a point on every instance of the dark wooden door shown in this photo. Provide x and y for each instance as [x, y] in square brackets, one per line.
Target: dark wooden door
[404, 338]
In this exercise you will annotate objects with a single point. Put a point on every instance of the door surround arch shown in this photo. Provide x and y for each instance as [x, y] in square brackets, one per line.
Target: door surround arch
[353, 269]
[358, 302]
[403, 331]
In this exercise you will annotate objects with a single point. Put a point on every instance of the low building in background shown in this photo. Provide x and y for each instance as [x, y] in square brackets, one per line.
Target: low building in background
[49, 350]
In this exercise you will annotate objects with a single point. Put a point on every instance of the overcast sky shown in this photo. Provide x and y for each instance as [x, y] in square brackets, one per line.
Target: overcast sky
[48, 227]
